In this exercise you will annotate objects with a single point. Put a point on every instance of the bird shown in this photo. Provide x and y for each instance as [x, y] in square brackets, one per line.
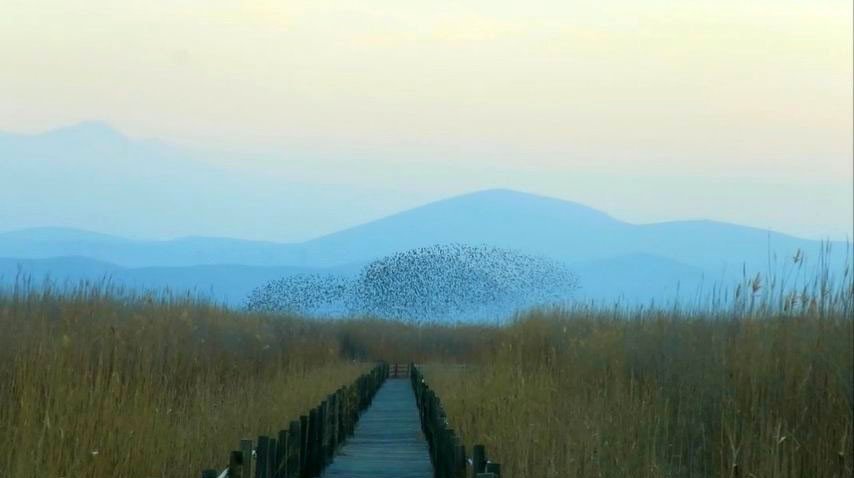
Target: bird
[443, 282]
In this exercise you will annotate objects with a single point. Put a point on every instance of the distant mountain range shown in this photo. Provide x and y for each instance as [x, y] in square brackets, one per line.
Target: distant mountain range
[91, 174]
[227, 283]
[612, 258]
[536, 225]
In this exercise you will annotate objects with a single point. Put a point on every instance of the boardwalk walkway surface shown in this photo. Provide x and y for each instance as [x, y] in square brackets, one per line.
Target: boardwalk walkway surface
[387, 441]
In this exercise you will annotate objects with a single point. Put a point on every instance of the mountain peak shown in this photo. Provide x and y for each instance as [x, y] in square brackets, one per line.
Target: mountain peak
[88, 131]
[513, 195]
[59, 234]
[522, 203]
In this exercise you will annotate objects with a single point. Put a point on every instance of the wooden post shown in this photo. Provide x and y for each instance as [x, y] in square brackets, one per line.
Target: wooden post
[336, 419]
[235, 464]
[262, 457]
[293, 464]
[303, 442]
[441, 459]
[340, 434]
[312, 447]
[246, 451]
[328, 447]
[478, 459]
[352, 409]
[321, 436]
[460, 461]
[271, 458]
[281, 454]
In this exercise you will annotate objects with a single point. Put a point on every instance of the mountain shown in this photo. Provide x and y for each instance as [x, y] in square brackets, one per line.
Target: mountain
[61, 269]
[632, 279]
[502, 218]
[60, 235]
[90, 175]
[44, 243]
[229, 284]
[533, 224]
[637, 279]
[555, 228]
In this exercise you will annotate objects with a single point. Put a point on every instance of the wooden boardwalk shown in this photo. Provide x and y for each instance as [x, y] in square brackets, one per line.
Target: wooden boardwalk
[388, 441]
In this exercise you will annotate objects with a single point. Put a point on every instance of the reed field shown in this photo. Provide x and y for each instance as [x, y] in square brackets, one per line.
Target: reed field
[93, 384]
[101, 382]
[562, 394]
[753, 382]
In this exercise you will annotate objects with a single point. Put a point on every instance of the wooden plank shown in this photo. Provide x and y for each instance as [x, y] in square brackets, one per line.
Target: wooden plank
[459, 461]
[235, 464]
[312, 460]
[303, 442]
[271, 458]
[281, 454]
[293, 454]
[246, 450]
[262, 456]
[387, 441]
[478, 459]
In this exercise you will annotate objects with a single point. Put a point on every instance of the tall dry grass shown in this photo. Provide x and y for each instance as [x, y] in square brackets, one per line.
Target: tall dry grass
[565, 395]
[97, 383]
[759, 383]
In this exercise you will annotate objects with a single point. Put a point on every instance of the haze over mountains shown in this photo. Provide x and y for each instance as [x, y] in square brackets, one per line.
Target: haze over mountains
[613, 258]
[91, 176]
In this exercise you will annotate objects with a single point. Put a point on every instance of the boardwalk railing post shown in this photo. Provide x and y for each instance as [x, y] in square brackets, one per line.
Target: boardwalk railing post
[281, 454]
[339, 417]
[446, 450]
[246, 451]
[271, 458]
[460, 461]
[309, 444]
[327, 430]
[262, 457]
[321, 435]
[333, 423]
[330, 430]
[293, 453]
[235, 464]
[303, 443]
[478, 459]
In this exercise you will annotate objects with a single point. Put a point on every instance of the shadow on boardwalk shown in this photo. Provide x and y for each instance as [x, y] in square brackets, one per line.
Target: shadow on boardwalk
[387, 441]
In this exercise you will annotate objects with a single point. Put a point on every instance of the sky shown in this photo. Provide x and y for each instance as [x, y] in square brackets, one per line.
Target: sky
[737, 111]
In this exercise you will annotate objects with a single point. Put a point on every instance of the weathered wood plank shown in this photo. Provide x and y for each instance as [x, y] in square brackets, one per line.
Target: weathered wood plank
[387, 441]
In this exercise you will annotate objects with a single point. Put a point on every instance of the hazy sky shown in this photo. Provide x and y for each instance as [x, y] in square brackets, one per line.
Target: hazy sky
[652, 110]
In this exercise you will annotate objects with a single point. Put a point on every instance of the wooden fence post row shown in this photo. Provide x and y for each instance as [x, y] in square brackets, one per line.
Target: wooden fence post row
[446, 449]
[308, 444]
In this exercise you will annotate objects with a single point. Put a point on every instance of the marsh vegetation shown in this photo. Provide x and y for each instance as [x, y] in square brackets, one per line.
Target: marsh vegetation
[101, 382]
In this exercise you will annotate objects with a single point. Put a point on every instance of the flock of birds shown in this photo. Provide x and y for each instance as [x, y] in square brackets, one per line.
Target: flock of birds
[454, 282]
